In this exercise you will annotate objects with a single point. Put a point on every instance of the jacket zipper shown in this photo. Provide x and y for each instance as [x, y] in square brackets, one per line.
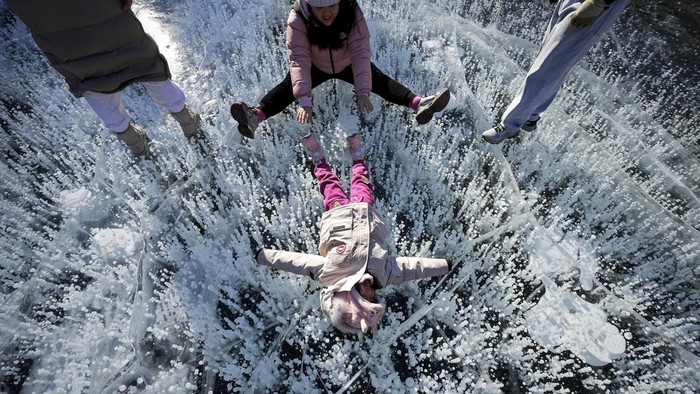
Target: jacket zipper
[330, 54]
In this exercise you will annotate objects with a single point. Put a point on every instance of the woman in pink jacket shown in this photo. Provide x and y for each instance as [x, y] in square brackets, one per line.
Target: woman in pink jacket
[329, 39]
[353, 260]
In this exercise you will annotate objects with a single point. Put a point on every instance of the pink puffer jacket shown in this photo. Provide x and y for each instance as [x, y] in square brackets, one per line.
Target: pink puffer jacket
[355, 53]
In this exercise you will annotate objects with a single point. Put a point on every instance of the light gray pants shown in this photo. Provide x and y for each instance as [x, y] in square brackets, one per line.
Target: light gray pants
[110, 108]
[562, 47]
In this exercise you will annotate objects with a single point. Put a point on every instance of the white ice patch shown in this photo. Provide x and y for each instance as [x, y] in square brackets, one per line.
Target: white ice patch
[588, 266]
[85, 206]
[71, 200]
[557, 252]
[116, 242]
[564, 321]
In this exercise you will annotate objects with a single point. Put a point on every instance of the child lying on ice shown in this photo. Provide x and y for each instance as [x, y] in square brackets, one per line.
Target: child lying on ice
[353, 260]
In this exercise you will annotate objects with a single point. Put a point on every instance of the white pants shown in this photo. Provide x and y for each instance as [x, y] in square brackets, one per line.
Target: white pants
[562, 47]
[110, 108]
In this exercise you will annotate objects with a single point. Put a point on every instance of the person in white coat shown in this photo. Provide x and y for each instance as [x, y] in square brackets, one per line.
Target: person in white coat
[353, 260]
[574, 28]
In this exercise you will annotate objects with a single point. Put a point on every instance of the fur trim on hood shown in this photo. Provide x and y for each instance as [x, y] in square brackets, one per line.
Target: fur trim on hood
[349, 312]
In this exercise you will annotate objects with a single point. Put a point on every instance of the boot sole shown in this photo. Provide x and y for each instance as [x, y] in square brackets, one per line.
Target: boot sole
[238, 113]
[440, 102]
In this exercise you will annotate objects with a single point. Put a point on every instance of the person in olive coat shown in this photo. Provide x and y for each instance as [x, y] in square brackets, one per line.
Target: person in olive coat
[100, 48]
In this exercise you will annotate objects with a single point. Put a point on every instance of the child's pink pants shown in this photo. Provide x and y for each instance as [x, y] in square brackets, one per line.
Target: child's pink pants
[332, 190]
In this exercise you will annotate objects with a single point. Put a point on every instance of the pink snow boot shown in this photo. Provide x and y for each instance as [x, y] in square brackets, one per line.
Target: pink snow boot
[313, 148]
[355, 146]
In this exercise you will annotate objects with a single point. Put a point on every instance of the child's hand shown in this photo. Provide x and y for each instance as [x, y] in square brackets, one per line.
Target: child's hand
[305, 115]
[364, 104]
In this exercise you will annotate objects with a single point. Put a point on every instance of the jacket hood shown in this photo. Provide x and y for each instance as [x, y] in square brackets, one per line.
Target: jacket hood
[349, 312]
[303, 7]
[322, 3]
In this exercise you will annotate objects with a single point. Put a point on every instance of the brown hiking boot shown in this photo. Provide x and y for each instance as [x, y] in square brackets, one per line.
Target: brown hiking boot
[135, 138]
[431, 105]
[189, 121]
[246, 117]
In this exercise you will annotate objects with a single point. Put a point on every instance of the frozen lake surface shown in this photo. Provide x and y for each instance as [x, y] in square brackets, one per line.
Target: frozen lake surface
[576, 247]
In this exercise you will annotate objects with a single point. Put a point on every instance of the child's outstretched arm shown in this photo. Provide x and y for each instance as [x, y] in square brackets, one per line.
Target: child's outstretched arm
[296, 263]
[402, 269]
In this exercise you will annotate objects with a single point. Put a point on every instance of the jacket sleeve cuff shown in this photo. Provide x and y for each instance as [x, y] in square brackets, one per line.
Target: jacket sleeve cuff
[305, 101]
[258, 253]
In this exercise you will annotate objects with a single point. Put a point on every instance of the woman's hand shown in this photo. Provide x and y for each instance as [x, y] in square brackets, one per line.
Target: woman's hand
[364, 104]
[305, 115]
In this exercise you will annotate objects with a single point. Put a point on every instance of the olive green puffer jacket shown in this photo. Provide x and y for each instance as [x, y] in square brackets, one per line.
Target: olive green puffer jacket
[94, 44]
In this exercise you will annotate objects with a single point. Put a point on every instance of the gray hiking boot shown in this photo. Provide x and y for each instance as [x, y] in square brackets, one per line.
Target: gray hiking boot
[499, 133]
[355, 146]
[431, 105]
[135, 138]
[189, 121]
[530, 125]
[246, 117]
[313, 148]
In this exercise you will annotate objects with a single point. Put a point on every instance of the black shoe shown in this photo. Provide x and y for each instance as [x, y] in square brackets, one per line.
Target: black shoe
[246, 117]
[530, 125]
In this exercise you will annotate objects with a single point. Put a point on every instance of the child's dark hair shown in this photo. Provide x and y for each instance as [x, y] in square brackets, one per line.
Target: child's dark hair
[335, 35]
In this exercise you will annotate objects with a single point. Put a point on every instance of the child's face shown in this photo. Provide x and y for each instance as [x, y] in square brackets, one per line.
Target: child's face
[326, 15]
[366, 291]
